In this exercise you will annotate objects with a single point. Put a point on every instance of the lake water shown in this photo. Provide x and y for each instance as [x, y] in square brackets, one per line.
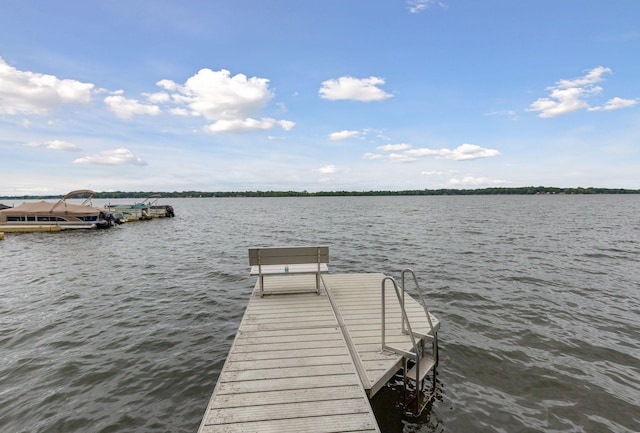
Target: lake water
[126, 330]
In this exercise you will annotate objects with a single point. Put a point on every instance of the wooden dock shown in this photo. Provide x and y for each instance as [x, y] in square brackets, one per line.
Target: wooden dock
[306, 362]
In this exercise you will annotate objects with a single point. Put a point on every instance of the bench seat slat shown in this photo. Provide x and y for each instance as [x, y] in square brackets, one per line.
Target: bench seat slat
[304, 268]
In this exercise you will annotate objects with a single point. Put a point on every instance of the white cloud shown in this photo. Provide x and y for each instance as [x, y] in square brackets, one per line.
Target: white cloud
[282, 108]
[616, 104]
[158, 97]
[475, 181]
[24, 92]
[125, 108]
[231, 102]
[511, 114]
[370, 155]
[287, 125]
[357, 89]
[467, 151]
[592, 77]
[245, 125]
[562, 101]
[217, 95]
[178, 111]
[401, 157]
[463, 152]
[55, 145]
[327, 169]
[168, 85]
[394, 147]
[568, 96]
[417, 6]
[439, 173]
[119, 156]
[343, 135]
[62, 145]
[424, 151]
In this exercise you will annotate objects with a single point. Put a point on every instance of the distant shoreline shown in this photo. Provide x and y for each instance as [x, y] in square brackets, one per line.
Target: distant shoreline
[529, 190]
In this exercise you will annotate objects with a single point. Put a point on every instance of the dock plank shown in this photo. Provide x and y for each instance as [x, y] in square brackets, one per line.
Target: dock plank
[284, 354]
[354, 423]
[288, 372]
[289, 396]
[290, 345]
[281, 384]
[342, 358]
[259, 411]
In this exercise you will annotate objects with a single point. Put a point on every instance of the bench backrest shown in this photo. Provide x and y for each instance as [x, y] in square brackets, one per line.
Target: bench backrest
[288, 255]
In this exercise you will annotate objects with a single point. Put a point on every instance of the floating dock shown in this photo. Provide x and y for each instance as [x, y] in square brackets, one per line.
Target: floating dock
[307, 362]
[34, 228]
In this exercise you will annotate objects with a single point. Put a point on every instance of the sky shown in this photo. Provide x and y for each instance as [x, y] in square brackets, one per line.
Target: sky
[331, 95]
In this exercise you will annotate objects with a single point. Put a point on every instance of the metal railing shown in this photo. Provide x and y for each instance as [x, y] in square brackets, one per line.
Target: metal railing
[433, 334]
[417, 352]
[405, 320]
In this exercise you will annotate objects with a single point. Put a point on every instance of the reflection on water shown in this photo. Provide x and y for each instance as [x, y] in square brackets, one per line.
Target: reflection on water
[127, 329]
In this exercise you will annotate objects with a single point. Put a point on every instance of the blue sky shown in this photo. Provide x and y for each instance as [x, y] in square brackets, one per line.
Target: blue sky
[318, 95]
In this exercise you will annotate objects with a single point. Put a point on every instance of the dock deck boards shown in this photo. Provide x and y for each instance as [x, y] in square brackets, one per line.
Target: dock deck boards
[290, 368]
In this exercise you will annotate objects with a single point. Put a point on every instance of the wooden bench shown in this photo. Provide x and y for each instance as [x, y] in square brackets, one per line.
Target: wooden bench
[289, 260]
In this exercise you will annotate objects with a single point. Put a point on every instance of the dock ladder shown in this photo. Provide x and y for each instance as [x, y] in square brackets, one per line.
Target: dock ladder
[417, 363]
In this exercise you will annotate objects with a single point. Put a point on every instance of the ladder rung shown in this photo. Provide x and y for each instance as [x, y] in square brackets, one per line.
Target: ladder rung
[426, 365]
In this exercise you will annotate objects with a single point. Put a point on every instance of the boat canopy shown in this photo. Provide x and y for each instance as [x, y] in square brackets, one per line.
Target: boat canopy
[46, 208]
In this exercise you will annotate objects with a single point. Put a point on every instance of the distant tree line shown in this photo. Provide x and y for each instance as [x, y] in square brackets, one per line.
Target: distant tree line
[526, 190]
